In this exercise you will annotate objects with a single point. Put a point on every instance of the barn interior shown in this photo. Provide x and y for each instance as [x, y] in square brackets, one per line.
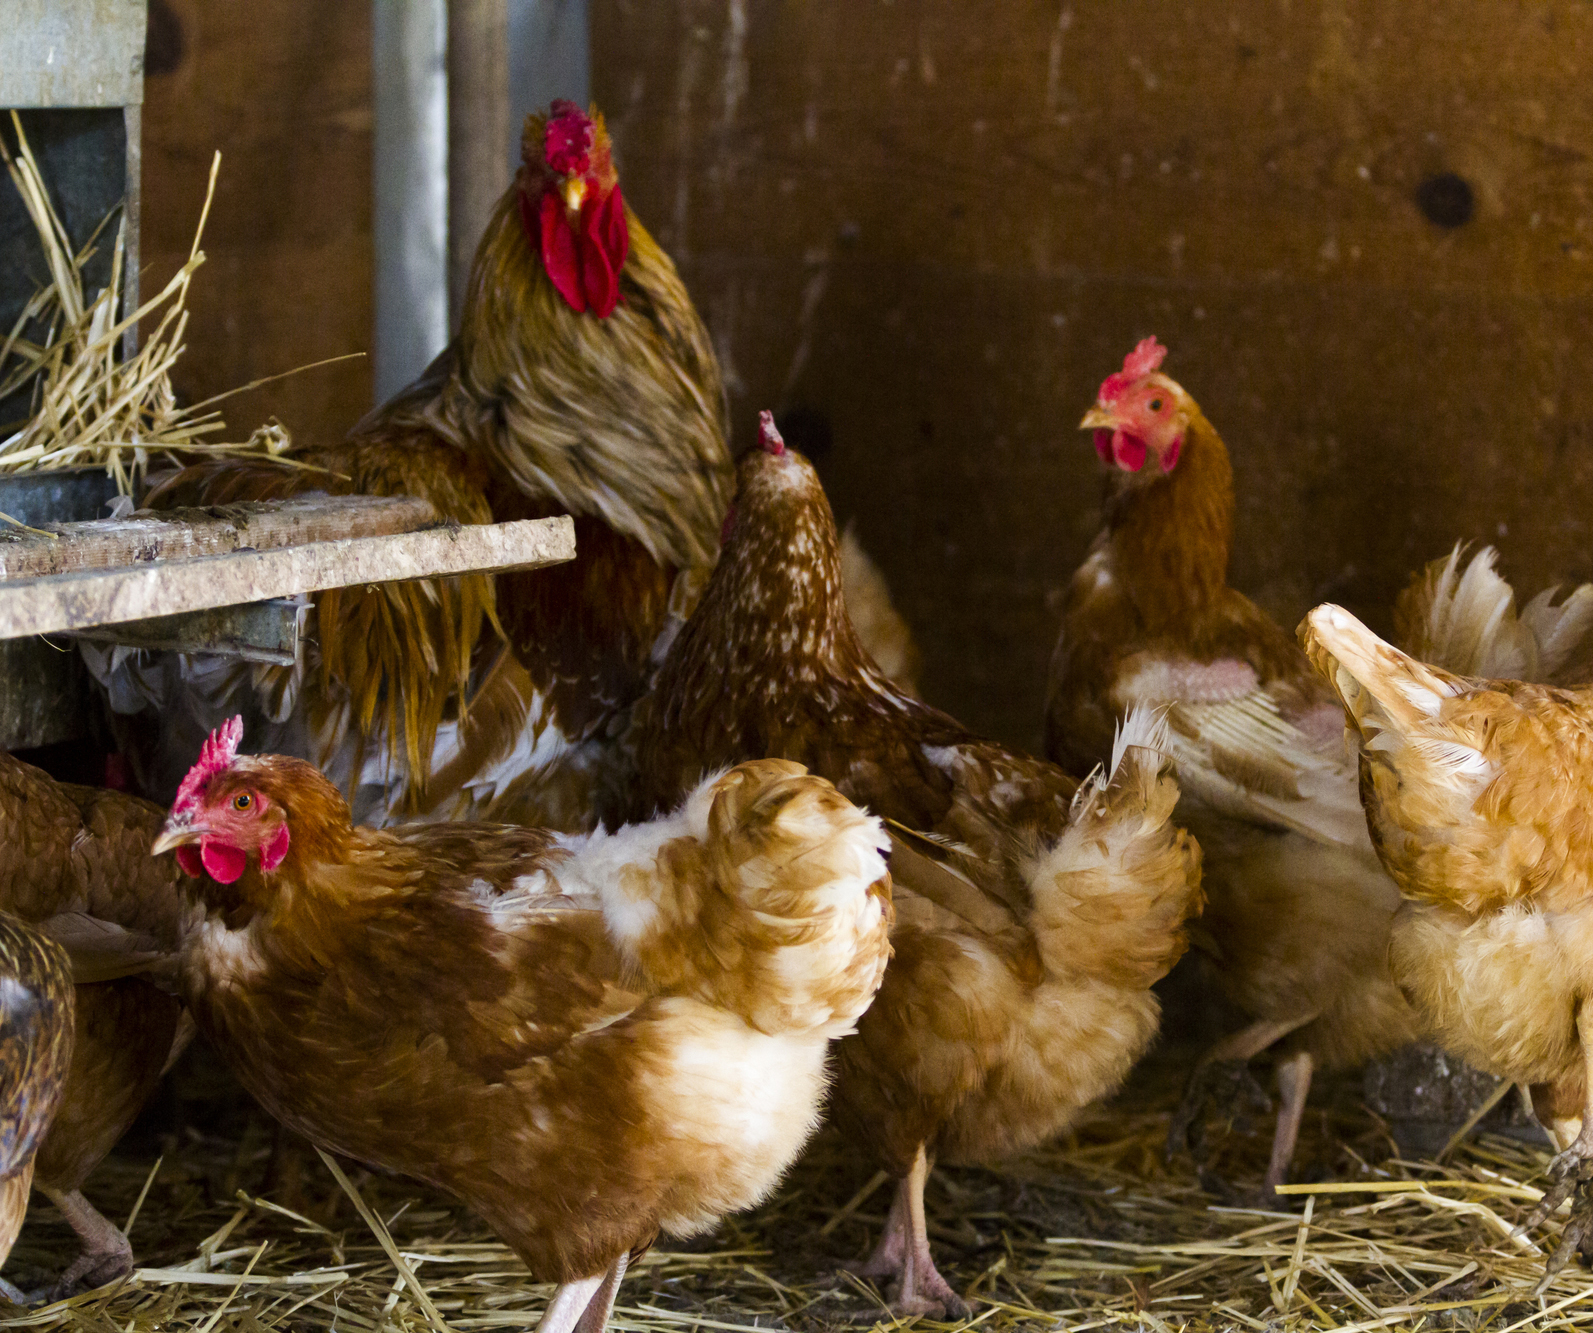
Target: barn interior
[921, 233]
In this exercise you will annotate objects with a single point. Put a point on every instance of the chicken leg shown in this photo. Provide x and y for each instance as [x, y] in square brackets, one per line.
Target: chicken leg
[903, 1253]
[1294, 1083]
[106, 1253]
[1221, 1075]
[1571, 1170]
[583, 1306]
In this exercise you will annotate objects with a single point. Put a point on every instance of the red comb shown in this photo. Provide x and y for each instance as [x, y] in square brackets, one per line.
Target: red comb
[215, 756]
[1146, 357]
[768, 436]
[568, 139]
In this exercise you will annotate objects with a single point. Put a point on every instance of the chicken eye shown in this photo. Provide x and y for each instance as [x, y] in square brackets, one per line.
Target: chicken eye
[1155, 404]
[242, 801]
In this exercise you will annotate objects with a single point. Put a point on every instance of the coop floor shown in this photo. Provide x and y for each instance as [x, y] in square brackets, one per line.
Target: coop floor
[1097, 1231]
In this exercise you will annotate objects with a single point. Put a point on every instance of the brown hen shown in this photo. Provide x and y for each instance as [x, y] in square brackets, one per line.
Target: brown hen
[1034, 913]
[1477, 797]
[1297, 919]
[36, 1025]
[589, 1039]
[75, 860]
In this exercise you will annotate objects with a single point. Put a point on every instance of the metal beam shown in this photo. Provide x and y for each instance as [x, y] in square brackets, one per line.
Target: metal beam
[409, 41]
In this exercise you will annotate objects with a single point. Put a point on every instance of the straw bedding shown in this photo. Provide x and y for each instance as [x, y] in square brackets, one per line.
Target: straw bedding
[1094, 1232]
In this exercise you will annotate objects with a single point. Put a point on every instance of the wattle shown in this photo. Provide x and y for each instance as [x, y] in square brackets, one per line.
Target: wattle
[224, 863]
[1128, 450]
[584, 261]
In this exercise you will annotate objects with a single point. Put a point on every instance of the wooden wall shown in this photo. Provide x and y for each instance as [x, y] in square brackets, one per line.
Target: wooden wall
[939, 224]
[283, 89]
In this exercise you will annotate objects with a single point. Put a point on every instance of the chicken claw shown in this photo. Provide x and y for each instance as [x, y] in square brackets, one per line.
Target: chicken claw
[106, 1253]
[903, 1254]
[1572, 1174]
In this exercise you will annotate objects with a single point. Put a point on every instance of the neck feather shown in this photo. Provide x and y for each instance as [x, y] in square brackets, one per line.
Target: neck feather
[1172, 538]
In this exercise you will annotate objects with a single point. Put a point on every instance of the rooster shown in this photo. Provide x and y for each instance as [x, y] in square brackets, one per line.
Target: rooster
[36, 1026]
[1476, 796]
[1034, 912]
[588, 1039]
[75, 862]
[581, 381]
[1299, 908]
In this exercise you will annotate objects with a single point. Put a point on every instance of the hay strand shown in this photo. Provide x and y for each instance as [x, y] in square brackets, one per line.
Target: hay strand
[90, 407]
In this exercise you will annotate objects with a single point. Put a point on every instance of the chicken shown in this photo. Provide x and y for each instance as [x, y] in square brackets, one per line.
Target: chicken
[75, 862]
[581, 381]
[1296, 925]
[588, 1039]
[1475, 794]
[1034, 912]
[35, 1053]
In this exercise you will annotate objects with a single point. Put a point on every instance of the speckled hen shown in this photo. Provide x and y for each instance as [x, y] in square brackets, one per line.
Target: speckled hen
[1034, 912]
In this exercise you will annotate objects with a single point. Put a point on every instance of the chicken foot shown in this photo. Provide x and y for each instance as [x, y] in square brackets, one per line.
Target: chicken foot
[903, 1253]
[106, 1255]
[1222, 1077]
[583, 1306]
[1571, 1169]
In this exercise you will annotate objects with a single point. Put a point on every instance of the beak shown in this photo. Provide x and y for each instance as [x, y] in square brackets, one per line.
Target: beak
[1099, 418]
[574, 191]
[179, 830]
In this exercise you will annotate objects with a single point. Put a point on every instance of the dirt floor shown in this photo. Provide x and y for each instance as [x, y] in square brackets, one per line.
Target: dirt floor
[1095, 1231]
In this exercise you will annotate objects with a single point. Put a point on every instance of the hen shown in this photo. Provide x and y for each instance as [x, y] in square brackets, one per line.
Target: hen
[1034, 912]
[1296, 925]
[588, 1039]
[582, 381]
[35, 1052]
[75, 861]
[1476, 796]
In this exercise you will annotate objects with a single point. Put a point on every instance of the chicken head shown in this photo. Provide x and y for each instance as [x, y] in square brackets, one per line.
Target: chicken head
[1140, 413]
[222, 815]
[571, 206]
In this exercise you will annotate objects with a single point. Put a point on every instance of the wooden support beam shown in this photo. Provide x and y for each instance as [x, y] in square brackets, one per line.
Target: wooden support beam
[108, 543]
[255, 631]
[81, 600]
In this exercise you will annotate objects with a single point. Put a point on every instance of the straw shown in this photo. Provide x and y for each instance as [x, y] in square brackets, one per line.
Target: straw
[88, 406]
[1094, 1232]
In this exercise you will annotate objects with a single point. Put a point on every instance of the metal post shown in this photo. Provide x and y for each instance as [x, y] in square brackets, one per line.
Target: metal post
[478, 129]
[409, 40]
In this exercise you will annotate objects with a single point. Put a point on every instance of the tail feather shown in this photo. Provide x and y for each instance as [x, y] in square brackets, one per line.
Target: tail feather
[1381, 687]
[766, 893]
[1467, 622]
[1112, 894]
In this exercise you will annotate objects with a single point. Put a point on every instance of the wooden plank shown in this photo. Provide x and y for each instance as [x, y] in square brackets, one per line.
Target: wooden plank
[81, 600]
[186, 533]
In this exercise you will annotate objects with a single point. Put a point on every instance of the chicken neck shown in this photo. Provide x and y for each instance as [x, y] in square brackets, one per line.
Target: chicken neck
[1171, 535]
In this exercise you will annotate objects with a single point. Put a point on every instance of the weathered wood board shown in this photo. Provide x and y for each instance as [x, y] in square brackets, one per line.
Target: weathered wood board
[65, 602]
[171, 534]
